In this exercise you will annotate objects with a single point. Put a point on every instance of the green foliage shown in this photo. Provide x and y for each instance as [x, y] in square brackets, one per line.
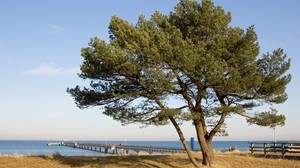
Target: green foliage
[192, 55]
[268, 118]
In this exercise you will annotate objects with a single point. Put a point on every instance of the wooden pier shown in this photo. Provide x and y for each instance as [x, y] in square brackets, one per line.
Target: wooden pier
[121, 149]
[282, 149]
[54, 143]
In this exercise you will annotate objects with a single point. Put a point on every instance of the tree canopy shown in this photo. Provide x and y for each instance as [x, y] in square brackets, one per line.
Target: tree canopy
[192, 55]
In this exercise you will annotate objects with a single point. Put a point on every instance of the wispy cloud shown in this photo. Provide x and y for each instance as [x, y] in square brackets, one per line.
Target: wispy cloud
[50, 70]
[57, 29]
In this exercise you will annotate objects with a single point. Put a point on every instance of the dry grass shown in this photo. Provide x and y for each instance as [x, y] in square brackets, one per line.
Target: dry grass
[222, 160]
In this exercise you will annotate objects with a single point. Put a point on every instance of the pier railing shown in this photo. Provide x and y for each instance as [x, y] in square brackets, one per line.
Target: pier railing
[113, 148]
[282, 149]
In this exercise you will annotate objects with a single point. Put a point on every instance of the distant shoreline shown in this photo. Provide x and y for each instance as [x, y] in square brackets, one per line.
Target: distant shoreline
[39, 147]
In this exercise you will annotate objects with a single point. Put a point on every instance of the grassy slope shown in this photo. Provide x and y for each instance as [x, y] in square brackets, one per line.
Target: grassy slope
[222, 160]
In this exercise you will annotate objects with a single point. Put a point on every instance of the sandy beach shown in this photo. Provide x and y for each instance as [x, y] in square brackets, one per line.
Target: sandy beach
[222, 160]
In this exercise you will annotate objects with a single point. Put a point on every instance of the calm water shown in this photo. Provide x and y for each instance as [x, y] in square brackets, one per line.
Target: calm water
[41, 148]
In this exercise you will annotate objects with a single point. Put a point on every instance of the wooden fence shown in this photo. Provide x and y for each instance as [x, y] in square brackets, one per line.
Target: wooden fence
[283, 149]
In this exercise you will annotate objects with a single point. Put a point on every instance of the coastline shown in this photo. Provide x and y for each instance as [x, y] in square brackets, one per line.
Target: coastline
[37, 147]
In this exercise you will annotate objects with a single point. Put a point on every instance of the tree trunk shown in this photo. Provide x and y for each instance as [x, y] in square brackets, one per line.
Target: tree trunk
[207, 153]
[184, 143]
[205, 145]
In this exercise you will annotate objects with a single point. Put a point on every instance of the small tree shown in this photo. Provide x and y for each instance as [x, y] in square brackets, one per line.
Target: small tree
[192, 55]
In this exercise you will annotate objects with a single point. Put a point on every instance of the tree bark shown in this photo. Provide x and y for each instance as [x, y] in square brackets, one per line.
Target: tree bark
[184, 143]
[207, 154]
[205, 144]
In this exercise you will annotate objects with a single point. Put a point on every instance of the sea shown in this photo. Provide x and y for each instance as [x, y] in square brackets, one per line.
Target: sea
[34, 147]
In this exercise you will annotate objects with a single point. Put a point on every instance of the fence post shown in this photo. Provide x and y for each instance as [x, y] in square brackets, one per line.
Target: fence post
[283, 149]
[251, 148]
[265, 149]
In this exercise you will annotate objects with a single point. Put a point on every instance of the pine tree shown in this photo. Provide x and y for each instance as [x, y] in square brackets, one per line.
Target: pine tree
[192, 55]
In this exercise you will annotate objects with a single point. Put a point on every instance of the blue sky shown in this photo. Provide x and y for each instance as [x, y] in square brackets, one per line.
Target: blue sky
[40, 44]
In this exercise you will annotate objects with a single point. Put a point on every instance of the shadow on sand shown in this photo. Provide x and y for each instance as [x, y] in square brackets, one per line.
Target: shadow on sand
[120, 161]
